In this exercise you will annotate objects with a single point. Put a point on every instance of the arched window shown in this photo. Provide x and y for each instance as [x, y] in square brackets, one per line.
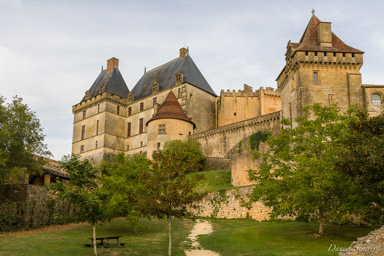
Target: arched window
[376, 99]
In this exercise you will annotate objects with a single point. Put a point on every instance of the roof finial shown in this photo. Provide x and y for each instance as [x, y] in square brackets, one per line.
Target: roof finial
[313, 12]
[102, 67]
[145, 69]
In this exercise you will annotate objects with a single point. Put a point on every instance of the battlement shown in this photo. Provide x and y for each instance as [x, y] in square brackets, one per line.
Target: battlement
[329, 57]
[249, 92]
[100, 97]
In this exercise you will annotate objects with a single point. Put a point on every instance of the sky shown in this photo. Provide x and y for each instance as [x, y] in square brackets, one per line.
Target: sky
[52, 51]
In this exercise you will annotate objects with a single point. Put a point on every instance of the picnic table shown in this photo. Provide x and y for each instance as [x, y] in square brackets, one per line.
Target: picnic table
[105, 241]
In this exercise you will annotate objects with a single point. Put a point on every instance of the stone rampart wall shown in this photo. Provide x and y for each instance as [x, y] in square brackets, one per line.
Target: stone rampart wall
[228, 204]
[218, 142]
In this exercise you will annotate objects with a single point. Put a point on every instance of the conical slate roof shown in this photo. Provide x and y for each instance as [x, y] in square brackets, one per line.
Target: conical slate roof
[112, 81]
[309, 40]
[164, 75]
[171, 109]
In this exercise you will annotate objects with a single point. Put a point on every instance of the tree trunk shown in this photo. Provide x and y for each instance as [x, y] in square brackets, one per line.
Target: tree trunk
[321, 227]
[94, 239]
[170, 237]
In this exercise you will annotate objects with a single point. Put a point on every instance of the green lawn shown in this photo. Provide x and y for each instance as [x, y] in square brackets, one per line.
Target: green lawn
[151, 240]
[252, 238]
[214, 181]
[230, 238]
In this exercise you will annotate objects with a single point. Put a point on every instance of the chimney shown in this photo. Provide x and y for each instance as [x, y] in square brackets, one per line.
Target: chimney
[111, 63]
[324, 34]
[183, 53]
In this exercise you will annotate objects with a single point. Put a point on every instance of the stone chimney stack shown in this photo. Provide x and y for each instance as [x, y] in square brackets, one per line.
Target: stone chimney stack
[111, 63]
[183, 52]
[324, 34]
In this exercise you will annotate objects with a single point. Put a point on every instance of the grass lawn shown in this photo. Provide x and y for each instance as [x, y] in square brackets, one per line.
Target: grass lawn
[151, 240]
[247, 237]
[229, 238]
[214, 181]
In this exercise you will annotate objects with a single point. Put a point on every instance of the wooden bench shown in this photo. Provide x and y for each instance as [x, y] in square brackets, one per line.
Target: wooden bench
[104, 241]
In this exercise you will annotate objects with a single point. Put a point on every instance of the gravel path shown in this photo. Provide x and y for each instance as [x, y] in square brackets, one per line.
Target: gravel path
[202, 227]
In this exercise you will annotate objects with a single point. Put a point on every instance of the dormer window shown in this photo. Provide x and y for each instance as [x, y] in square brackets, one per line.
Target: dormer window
[87, 95]
[101, 88]
[130, 97]
[155, 87]
[179, 77]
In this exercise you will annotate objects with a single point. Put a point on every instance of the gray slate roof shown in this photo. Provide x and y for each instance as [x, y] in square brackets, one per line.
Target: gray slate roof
[164, 75]
[113, 83]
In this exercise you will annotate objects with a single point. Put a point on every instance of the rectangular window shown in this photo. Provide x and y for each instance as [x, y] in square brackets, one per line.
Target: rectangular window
[127, 147]
[98, 108]
[118, 110]
[129, 130]
[154, 101]
[129, 111]
[162, 129]
[158, 145]
[82, 149]
[141, 106]
[141, 143]
[179, 93]
[141, 125]
[84, 114]
[83, 132]
[97, 144]
[97, 127]
[331, 99]
[315, 77]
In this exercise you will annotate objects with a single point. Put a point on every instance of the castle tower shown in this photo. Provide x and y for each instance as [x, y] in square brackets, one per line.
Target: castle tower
[169, 123]
[98, 126]
[320, 69]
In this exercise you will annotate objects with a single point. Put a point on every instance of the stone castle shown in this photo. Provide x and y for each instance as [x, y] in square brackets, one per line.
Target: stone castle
[174, 101]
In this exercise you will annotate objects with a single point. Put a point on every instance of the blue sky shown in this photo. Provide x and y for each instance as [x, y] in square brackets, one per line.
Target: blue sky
[52, 51]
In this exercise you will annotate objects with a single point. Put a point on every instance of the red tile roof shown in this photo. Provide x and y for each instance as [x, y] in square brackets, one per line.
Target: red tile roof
[309, 40]
[171, 109]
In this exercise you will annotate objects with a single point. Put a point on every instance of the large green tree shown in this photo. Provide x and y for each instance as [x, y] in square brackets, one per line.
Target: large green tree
[364, 162]
[169, 191]
[21, 140]
[122, 184]
[297, 176]
[82, 191]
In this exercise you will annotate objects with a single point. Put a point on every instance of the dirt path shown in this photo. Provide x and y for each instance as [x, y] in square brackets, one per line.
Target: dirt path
[202, 227]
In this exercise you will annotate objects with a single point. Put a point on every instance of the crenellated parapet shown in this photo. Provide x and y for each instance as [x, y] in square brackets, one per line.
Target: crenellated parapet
[106, 96]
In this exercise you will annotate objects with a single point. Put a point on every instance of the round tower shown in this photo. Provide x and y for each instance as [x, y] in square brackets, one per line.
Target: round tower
[169, 123]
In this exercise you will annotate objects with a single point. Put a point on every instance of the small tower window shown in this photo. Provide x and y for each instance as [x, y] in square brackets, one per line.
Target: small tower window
[84, 113]
[98, 108]
[315, 77]
[83, 132]
[97, 144]
[129, 111]
[127, 147]
[141, 106]
[179, 77]
[82, 149]
[97, 127]
[129, 130]
[376, 99]
[158, 145]
[179, 93]
[141, 125]
[162, 129]
[118, 110]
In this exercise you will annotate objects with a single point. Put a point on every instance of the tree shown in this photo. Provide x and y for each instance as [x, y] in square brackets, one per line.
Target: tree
[169, 192]
[364, 162]
[121, 183]
[82, 191]
[297, 176]
[21, 140]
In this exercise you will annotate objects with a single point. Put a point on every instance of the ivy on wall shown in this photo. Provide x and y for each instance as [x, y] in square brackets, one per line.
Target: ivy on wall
[256, 138]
